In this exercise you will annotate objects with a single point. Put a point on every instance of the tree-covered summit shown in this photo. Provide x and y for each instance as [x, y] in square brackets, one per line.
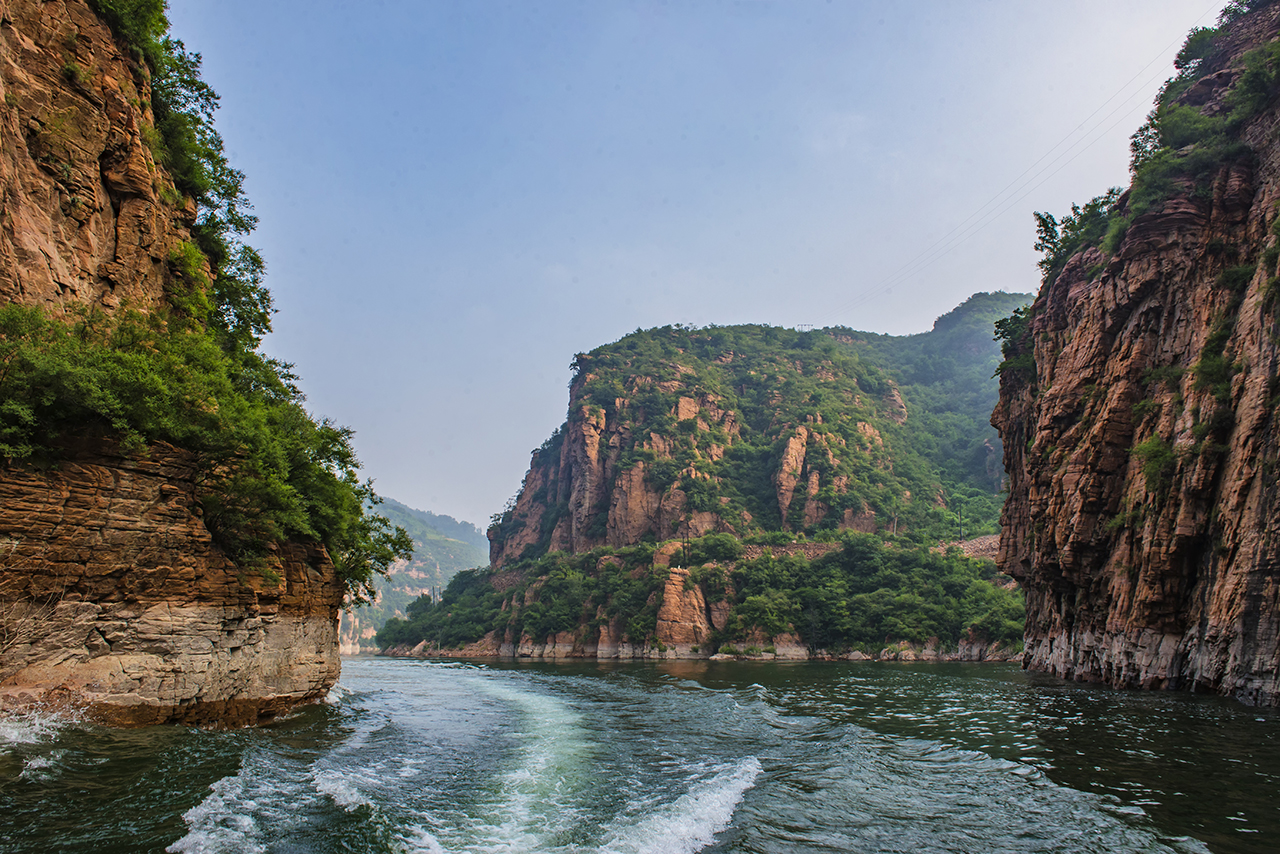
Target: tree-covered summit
[741, 429]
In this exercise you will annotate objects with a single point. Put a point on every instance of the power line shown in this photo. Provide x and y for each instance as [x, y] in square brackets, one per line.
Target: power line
[960, 233]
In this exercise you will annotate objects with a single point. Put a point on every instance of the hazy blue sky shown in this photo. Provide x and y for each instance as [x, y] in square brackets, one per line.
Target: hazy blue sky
[455, 197]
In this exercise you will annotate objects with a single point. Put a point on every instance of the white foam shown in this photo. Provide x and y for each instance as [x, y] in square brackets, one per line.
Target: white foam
[42, 768]
[341, 787]
[420, 841]
[30, 727]
[221, 822]
[533, 800]
[691, 822]
[336, 695]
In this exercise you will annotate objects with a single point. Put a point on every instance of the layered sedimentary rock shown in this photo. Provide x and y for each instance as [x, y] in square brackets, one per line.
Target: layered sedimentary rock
[1142, 449]
[115, 601]
[113, 598]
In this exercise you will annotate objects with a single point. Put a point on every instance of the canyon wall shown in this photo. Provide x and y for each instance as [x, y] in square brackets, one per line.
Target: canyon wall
[84, 219]
[115, 601]
[1141, 444]
[113, 598]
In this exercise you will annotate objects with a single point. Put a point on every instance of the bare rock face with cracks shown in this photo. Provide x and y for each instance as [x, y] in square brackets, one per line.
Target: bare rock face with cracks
[1138, 411]
[114, 600]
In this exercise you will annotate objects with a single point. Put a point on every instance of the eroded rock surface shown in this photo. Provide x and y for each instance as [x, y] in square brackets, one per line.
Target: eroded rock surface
[119, 604]
[1144, 513]
[83, 219]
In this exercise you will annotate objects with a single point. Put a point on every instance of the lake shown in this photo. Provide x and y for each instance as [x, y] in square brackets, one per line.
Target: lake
[418, 756]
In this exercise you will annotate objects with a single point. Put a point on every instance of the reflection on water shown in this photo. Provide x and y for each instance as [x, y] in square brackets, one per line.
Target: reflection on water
[683, 756]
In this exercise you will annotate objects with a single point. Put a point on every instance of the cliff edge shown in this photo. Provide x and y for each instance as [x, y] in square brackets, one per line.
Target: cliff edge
[115, 601]
[1139, 398]
[159, 559]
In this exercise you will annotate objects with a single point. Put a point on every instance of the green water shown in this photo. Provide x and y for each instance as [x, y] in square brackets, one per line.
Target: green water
[413, 756]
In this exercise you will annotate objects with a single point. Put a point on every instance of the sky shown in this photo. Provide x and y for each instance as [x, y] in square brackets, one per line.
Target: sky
[457, 197]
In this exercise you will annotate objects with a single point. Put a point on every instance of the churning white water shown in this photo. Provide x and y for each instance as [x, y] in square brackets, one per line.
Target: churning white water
[413, 756]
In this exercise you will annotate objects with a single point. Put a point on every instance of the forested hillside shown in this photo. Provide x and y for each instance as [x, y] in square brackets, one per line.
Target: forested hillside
[800, 477]
[742, 429]
[442, 547]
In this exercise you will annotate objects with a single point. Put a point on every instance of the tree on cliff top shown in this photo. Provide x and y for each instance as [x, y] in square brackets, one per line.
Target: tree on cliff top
[192, 374]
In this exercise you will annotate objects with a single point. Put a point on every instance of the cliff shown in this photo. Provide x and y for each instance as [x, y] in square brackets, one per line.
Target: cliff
[82, 221]
[1139, 398]
[114, 600]
[743, 429]
[117, 593]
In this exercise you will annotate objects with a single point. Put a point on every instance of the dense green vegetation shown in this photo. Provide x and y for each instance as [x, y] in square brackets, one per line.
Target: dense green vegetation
[442, 547]
[860, 596]
[192, 374]
[931, 477]
[1177, 151]
[947, 378]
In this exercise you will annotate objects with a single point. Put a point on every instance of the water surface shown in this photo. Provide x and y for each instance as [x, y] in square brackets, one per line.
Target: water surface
[415, 756]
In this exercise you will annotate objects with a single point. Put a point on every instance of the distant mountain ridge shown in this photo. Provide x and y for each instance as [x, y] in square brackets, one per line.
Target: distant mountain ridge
[437, 525]
[442, 547]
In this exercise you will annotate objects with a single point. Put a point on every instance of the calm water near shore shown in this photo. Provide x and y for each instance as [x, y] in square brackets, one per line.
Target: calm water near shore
[415, 756]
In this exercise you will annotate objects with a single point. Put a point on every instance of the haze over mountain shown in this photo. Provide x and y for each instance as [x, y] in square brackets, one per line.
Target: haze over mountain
[506, 184]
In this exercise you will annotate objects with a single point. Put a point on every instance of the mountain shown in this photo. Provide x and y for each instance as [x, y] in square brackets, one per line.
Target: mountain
[442, 547]
[753, 487]
[682, 431]
[177, 532]
[1139, 396]
[424, 525]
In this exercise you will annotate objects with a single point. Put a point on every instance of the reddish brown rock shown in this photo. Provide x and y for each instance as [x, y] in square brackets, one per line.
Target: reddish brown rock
[1144, 517]
[83, 218]
[139, 618]
[684, 622]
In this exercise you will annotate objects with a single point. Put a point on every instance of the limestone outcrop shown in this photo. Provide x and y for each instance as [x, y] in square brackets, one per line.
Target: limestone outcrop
[115, 601]
[1142, 447]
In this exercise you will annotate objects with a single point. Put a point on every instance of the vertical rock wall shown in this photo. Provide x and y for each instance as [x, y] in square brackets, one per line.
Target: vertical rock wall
[83, 216]
[113, 598]
[1143, 518]
[116, 601]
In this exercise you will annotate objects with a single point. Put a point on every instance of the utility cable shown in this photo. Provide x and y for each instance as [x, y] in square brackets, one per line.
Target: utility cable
[960, 233]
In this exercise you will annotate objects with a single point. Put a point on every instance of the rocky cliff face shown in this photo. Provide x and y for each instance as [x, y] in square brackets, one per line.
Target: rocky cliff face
[83, 219]
[598, 501]
[1142, 448]
[116, 602]
[678, 432]
[113, 599]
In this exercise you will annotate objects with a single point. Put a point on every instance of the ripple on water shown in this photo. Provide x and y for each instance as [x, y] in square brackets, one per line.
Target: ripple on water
[412, 757]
